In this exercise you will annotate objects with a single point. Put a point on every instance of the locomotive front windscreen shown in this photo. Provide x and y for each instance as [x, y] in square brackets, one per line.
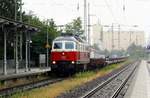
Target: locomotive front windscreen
[69, 45]
[57, 45]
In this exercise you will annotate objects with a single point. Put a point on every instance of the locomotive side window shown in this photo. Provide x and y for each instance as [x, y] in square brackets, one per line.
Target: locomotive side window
[69, 45]
[58, 45]
[76, 46]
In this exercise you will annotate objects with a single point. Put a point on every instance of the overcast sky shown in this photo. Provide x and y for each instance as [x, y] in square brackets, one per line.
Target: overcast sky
[105, 11]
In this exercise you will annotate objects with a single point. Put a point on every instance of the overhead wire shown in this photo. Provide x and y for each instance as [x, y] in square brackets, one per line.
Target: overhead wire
[111, 11]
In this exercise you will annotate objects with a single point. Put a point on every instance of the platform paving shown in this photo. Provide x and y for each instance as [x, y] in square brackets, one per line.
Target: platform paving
[11, 72]
[140, 86]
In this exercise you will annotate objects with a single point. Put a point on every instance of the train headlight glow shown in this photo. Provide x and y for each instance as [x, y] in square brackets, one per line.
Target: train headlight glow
[63, 53]
[72, 62]
[54, 62]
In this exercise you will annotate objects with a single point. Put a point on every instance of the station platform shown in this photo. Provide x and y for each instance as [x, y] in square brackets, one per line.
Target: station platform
[140, 86]
[22, 73]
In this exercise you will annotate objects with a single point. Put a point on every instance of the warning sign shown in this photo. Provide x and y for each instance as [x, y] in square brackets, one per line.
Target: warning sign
[47, 46]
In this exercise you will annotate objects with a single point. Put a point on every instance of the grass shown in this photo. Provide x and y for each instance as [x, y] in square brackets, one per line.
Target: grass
[84, 74]
[113, 66]
[78, 79]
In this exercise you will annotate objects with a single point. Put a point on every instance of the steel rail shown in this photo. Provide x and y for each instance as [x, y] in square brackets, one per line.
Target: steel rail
[97, 88]
[116, 93]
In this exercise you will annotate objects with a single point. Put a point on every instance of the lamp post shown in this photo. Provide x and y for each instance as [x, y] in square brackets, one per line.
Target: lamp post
[21, 32]
[85, 20]
[5, 53]
[89, 41]
[47, 46]
[29, 41]
[26, 69]
[16, 41]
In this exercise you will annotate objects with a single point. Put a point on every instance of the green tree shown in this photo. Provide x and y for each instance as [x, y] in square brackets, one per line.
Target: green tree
[7, 8]
[136, 51]
[40, 39]
[75, 27]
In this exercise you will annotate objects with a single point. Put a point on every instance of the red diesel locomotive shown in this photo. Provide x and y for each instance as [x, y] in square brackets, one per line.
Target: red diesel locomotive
[69, 53]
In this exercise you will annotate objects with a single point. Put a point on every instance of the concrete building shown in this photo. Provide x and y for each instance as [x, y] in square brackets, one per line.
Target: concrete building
[114, 38]
[96, 36]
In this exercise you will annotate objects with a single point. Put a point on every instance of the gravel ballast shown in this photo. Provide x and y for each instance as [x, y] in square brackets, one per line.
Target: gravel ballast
[81, 90]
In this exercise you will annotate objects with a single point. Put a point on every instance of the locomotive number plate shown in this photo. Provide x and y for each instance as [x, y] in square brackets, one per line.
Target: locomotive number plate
[63, 57]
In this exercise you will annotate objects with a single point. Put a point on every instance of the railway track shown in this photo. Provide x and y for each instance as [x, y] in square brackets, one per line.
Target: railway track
[112, 87]
[7, 92]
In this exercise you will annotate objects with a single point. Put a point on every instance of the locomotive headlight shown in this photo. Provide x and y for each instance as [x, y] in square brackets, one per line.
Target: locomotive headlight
[54, 62]
[72, 62]
[63, 53]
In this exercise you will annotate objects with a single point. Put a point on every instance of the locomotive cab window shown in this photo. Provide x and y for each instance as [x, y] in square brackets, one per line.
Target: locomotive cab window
[69, 45]
[57, 45]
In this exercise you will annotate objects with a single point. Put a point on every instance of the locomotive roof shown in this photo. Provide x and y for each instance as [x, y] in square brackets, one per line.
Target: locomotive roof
[69, 38]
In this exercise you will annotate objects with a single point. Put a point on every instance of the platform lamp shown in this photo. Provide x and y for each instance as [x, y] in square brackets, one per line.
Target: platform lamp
[29, 61]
